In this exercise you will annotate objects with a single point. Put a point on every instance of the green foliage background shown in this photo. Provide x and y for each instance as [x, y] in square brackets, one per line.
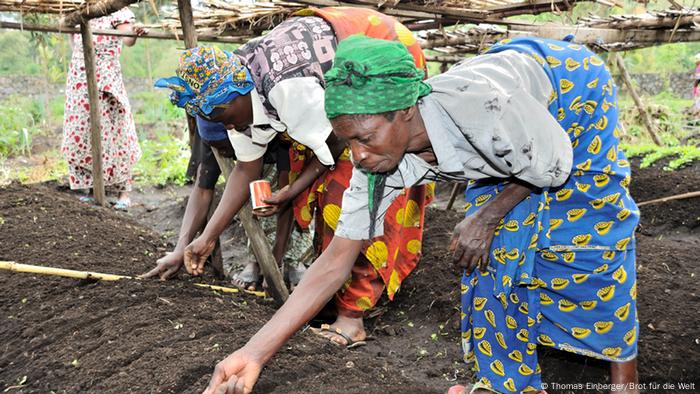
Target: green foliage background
[25, 118]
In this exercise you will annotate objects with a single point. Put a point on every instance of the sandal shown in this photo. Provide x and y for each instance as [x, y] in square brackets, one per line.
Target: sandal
[459, 389]
[122, 205]
[350, 343]
[247, 280]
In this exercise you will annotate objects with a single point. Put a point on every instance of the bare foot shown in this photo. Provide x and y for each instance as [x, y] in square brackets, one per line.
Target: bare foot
[352, 327]
[248, 278]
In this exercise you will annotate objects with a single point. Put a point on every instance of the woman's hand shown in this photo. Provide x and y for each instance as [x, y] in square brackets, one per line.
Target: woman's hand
[139, 29]
[277, 202]
[471, 240]
[196, 254]
[237, 374]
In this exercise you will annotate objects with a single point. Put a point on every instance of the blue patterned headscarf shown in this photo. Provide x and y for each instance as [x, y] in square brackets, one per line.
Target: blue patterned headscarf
[207, 77]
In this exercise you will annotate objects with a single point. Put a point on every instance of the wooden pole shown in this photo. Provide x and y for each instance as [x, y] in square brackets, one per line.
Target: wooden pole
[67, 273]
[95, 10]
[98, 186]
[119, 33]
[671, 198]
[190, 35]
[258, 241]
[217, 258]
[453, 196]
[637, 101]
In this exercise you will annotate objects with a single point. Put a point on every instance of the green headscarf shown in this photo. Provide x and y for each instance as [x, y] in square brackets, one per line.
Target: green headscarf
[371, 76]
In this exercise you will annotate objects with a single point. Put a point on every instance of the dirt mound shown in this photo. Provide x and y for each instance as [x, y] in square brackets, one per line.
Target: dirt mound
[148, 336]
[144, 336]
[673, 217]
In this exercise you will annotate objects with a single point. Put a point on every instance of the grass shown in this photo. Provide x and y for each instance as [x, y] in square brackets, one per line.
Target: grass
[163, 137]
[164, 160]
[151, 108]
[20, 117]
[650, 154]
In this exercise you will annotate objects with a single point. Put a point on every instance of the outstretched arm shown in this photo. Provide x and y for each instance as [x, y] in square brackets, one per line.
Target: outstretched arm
[235, 195]
[240, 370]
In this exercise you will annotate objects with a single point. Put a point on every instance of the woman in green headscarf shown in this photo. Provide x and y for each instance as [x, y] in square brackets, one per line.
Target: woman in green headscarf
[531, 126]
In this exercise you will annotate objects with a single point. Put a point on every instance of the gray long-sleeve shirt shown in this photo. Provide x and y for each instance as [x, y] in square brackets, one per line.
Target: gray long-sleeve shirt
[487, 117]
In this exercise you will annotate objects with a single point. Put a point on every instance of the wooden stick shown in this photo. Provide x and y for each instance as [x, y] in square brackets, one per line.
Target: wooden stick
[98, 186]
[36, 269]
[258, 242]
[67, 273]
[97, 10]
[190, 36]
[608, 39]
[453, 196]
[119, 33]
[217, 258]
[187, 23]
[637, 101]
[671, 198]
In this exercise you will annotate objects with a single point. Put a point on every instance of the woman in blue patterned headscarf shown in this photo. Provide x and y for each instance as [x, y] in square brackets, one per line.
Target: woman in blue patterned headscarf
[207, 78]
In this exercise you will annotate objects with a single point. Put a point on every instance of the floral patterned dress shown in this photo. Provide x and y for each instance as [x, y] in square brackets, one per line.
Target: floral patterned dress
[120, 149]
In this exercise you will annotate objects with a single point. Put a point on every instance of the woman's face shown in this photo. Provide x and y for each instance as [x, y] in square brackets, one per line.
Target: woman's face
[378, 142]
[238, 114]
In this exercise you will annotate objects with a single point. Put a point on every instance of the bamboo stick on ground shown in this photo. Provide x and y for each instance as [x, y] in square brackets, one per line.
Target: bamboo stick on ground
[671, 198]
[67, 273]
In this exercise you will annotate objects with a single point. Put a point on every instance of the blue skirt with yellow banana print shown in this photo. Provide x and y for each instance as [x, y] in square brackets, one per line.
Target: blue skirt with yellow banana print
[562, 269]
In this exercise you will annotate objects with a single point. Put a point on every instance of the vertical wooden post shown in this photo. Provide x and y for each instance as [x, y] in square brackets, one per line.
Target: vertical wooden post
[98, 185]
[453, 196]
[638, 101]
[258, 242]
[217, 258]
[190, 36]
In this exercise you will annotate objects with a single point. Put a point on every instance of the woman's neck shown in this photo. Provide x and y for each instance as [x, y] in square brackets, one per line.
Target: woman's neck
[420, 142]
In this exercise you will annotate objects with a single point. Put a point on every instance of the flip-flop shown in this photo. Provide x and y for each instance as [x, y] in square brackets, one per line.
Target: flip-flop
[122, 205]
[350, 343]
[248, 279]
[87, 199]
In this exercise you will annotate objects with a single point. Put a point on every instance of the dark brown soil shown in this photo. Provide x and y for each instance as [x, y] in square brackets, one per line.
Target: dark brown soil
[140, 336]
[671, 217]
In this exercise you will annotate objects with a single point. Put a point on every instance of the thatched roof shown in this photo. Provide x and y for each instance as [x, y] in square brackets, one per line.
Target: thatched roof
[450, 27]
